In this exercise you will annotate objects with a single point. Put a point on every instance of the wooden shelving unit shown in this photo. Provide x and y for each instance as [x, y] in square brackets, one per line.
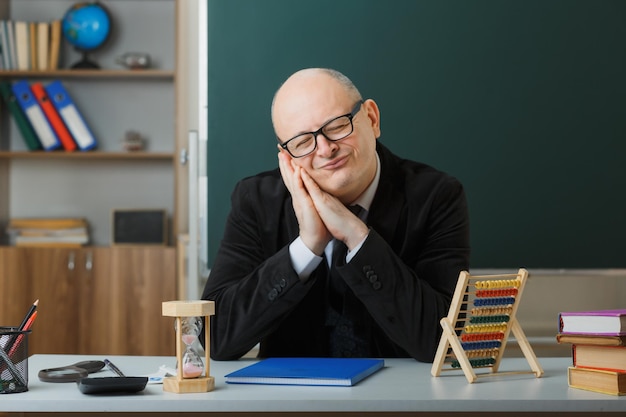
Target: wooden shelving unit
[100, 282]
[114, 101]
[86, 155]
[97, 74]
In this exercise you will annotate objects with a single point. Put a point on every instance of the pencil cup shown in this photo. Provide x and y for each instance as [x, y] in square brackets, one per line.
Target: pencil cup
[13, 360]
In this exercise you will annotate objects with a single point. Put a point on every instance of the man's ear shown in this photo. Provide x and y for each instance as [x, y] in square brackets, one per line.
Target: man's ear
[284, 151]
[373, 114]
[286, 156]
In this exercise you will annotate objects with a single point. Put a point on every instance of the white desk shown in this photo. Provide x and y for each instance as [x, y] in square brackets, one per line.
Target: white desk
[403, 386]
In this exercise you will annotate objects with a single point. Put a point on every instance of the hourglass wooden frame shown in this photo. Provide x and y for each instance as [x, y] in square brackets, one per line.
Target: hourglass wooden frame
[481, 317]
[180, 309]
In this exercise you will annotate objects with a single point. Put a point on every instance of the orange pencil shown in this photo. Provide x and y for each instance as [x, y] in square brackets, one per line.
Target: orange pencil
[18, 341]
[27, 326]
[10, 346]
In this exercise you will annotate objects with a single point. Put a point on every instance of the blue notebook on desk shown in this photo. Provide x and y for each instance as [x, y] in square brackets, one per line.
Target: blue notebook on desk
[306, 371]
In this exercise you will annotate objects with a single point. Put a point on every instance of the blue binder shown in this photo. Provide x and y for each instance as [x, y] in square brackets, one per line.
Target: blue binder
[35, 115]
[22, 122]
[73, 119]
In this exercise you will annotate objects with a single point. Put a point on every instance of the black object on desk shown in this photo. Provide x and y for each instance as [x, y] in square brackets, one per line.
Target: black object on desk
[112, 384]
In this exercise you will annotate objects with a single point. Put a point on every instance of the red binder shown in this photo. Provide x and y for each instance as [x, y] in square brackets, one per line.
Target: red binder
[64, 135]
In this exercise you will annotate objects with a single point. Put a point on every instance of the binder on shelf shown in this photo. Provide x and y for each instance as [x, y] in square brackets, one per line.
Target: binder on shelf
[35, 115]
[71, 116]
[53, 117]
[27, 131]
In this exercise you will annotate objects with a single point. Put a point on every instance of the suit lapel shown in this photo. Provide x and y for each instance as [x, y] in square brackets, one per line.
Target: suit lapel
[388, 204]
[291, 222]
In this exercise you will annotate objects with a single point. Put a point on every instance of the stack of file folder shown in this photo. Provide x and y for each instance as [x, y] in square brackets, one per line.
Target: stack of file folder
[46, 116]
[71, 232]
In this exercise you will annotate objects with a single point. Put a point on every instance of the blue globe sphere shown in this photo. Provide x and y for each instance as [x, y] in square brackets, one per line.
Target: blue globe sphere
[86, 26]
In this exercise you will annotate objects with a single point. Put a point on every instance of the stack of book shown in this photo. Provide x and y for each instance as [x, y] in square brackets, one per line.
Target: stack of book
[71, 232]
[598, 340]
[29, 46]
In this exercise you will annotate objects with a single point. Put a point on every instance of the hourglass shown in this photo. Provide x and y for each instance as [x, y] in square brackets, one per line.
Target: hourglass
[190, 377]
[192, 366]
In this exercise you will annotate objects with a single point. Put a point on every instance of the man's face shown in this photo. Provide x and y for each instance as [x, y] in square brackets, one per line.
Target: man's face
[343, 168]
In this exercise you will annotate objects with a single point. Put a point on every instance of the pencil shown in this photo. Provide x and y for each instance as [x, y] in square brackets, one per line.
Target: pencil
[31, 310]
[18, 341]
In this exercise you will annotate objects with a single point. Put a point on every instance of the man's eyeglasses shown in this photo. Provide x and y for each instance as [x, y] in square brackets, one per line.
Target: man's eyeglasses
[336, 129]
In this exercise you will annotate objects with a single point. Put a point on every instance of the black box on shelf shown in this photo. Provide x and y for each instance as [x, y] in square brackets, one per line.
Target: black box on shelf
[139, 227]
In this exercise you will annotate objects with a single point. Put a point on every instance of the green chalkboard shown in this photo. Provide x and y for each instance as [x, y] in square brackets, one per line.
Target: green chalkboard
[523, 101]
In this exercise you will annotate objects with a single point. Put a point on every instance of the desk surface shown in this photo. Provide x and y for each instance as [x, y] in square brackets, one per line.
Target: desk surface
[404, 385]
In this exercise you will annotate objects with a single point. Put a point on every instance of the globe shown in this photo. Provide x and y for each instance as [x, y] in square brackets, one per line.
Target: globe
[86, 26]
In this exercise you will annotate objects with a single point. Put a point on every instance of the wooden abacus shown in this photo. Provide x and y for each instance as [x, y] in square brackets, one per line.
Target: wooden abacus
[475, 332]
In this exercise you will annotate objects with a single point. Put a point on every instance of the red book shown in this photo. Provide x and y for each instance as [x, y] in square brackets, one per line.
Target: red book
[64, 135]
[609, 358]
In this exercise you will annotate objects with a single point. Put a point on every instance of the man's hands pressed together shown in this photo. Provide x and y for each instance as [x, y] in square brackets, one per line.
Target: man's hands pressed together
[321, 216]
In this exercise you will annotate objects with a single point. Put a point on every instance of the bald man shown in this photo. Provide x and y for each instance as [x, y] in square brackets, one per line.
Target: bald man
[345, 250]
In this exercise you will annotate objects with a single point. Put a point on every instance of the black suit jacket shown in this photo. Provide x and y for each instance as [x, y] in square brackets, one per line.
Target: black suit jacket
[400, 282]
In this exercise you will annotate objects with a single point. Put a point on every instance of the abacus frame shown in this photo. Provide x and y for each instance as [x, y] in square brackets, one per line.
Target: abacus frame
[451, 351]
